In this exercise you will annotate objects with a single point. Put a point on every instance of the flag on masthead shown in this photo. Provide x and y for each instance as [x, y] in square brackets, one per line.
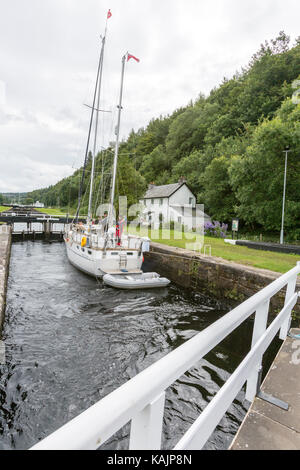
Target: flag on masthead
[130, 56]
[109, 14]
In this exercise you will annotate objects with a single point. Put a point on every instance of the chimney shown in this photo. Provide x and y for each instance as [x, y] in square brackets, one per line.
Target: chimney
[151, 185]
[182, 180]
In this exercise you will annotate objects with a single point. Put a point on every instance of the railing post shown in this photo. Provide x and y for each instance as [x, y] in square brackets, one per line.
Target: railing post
[146, 426]
[290, 290]
[260, 324]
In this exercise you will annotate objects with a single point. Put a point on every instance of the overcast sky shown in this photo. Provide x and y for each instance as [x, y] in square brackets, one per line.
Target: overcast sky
[48, 59]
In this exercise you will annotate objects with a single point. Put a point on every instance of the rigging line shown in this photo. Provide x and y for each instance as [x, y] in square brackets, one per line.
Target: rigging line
[102, 177]
[96, 128]
[108, 182]
[97, 160]
[100, 186]
[97, 109]
[135, 180]
[96, 125]
[70, 183]
[96, 172]
[96, 201]
[103, 182]
[89, 133]
[105, 186]
[89, 171]
[81, 167]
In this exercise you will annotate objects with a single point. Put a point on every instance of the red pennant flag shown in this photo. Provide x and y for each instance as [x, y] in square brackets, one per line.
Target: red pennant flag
[130, 56]
[109, 14]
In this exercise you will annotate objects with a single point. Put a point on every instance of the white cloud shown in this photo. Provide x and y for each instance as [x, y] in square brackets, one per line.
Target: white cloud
[48, 59]
[2, 95]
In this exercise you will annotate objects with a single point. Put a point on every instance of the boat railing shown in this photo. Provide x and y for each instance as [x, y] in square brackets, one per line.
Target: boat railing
[141, 400]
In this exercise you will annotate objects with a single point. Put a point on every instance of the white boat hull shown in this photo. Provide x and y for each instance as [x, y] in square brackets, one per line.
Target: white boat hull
[135, 281]
[95, 263]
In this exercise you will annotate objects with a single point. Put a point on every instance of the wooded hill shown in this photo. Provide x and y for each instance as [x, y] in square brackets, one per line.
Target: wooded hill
[229, 146]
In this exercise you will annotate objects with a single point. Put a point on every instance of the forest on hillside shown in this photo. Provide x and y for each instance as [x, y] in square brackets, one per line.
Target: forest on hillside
[229, 147]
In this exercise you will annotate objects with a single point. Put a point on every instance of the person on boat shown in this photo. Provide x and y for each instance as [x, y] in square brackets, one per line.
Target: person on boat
[104, 222]
[80, 227]
[122, 222]
[118, 235]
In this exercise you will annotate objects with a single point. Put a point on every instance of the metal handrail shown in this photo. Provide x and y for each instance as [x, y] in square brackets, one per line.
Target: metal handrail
[221, 402]
[141, 399]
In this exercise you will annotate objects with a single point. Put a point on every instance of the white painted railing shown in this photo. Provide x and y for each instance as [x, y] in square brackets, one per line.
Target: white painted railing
[141, 399]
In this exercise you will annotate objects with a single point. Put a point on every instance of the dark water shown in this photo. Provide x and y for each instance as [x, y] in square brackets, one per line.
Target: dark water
[70, 341]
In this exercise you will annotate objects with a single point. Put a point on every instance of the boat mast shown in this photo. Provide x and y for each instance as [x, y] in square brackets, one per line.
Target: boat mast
[88, 139]
[110, 220]
[96, 129]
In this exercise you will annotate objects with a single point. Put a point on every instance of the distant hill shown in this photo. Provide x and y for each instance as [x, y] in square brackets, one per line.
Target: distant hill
[13, 197]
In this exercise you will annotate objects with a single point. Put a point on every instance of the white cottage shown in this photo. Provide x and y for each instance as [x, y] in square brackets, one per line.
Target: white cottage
[38, 204]
[171, 202]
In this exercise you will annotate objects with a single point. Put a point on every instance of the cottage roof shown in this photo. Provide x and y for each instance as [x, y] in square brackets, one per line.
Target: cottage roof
[165, 190]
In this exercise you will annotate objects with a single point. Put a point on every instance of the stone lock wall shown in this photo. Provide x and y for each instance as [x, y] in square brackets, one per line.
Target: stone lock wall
[5, 245]
[216, 277]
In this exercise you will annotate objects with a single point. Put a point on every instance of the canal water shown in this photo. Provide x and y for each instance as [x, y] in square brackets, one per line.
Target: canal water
[70, 341]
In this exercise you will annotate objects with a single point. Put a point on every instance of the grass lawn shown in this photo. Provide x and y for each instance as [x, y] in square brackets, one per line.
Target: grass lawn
[4, 208]
[279, 262]
[52, 211]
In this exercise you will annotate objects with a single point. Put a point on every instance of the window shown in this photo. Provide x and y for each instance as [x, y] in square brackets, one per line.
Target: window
[161, 202]
[152, 201]
[182, 210]
[179, 220]
[191, 201]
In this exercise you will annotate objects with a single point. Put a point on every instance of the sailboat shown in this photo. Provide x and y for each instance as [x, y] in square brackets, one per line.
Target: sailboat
[99, 249]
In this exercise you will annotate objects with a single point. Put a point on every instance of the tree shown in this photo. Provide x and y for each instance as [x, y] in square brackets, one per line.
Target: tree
[272, 65]
[155, 164]
[192, 168]
[257, 177]
[129, 182]
[187, 132]
[218, 197]
[28, 201]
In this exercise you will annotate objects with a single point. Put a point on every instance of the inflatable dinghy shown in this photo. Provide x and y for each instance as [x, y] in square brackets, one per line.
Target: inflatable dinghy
[135, 281]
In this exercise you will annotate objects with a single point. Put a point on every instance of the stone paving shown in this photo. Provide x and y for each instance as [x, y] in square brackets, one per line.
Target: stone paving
[266, 426]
